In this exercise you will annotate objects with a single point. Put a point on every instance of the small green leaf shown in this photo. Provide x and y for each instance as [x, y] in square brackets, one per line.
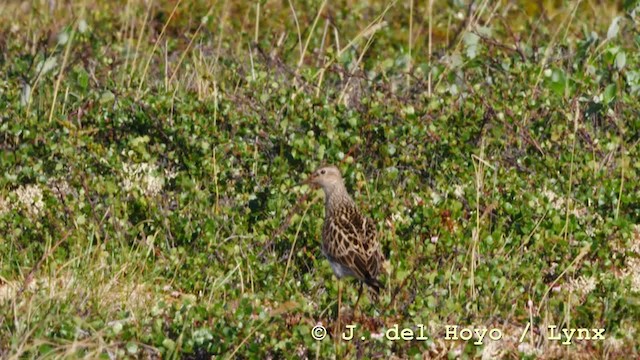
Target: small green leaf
[107, 97]
[83, 79]
[46, 66]
[391, 149]
[621, 60]
[132, 348]
[117, 327]
[409, 111]
[558, 82]
[610, 93]
[471, 41]
[613, 28]
[169, 344]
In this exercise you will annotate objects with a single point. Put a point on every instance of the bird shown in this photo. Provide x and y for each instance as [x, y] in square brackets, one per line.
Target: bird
[349, 239]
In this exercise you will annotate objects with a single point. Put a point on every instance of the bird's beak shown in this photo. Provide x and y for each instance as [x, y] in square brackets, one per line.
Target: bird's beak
[307, 181]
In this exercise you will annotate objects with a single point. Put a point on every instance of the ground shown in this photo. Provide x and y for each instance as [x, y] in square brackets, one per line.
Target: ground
[152, 152]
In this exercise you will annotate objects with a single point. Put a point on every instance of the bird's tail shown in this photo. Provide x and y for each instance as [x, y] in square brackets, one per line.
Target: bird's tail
[374, 287]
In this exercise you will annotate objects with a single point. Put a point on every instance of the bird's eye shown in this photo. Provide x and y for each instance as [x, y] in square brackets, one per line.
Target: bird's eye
[322, 172]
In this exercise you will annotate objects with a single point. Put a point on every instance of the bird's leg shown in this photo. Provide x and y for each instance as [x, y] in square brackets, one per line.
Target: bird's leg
[338, 328]
[355, 307]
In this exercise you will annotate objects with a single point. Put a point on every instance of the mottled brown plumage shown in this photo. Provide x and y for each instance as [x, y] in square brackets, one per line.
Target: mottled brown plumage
[349, 239]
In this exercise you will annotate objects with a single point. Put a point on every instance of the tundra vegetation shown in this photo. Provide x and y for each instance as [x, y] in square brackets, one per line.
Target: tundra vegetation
[151, 153]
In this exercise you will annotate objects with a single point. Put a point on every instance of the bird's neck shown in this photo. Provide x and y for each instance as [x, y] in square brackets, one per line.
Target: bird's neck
[336, 197]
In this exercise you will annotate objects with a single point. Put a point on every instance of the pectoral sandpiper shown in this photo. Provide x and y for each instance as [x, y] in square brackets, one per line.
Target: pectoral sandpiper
[349, 239]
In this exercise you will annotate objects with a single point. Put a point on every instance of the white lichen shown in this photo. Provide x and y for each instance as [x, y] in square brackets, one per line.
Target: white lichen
[60, 187]
[458, 191]
[632, 261]
[582, 285]
[633, 272]
[30, 198]
[492, 350]
[528, 350]
[145, 177]
[4, 206]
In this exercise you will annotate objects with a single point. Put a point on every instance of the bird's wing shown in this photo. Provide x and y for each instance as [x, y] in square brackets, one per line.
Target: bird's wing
[355, 244]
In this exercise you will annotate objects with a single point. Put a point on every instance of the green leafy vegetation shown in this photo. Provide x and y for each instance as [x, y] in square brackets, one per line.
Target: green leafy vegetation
[151, 153]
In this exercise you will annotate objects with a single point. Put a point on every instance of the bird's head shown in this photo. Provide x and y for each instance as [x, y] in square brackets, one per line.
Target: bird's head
[325, 177]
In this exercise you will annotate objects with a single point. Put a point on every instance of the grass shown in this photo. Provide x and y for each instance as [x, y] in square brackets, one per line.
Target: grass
[151, 152]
